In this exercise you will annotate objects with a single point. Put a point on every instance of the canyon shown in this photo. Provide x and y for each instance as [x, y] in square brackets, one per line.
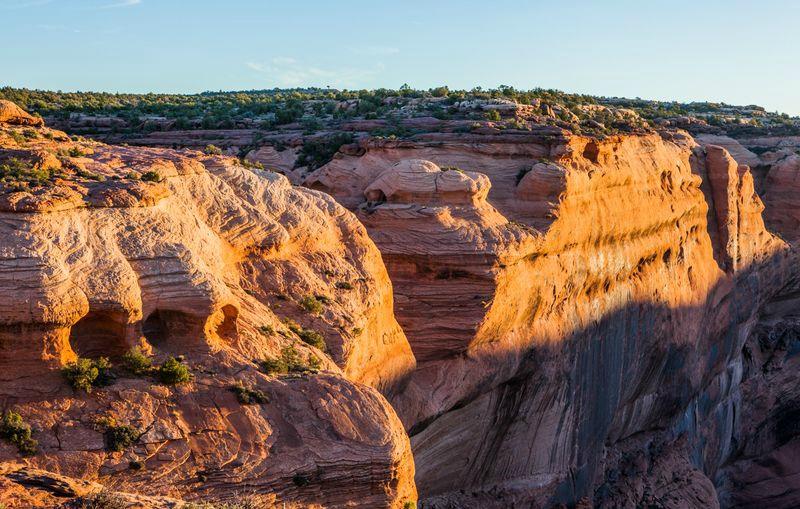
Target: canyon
[510, 314]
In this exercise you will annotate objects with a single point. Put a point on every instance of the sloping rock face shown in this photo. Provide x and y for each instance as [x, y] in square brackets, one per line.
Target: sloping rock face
[579, 328]
[106, 248]
[12, 114]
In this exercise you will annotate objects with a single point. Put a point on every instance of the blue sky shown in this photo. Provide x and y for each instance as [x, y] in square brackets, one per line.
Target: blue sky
[736, 51]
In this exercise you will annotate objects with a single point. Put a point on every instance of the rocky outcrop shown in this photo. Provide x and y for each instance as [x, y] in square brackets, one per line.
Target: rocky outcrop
[186, 255]
[12, 114]
[597, 292]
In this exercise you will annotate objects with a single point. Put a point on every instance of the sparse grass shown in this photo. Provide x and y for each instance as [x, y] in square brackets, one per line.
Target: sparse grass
[17, 137]
[253, 165]
[273, 366]
[15, 430]
[86, 374]
[173, 372]
[312, 338]
[250, 501]
[248, 396]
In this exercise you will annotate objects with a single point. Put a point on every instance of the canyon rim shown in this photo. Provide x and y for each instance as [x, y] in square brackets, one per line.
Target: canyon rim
[268, 277]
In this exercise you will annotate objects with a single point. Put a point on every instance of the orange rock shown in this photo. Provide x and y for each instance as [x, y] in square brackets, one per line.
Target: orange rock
[12, 114]
[194, 256]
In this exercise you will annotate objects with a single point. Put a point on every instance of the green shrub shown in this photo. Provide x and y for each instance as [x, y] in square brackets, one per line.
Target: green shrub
[247, 396]
[76, 152]
[136, 362]
[15, 430]
[312, 304]
[103, 499]
[120, 436]
[318, 152]
[173, 372]
[212, 150]
[308, 336]
[253, 165]
[493, 115]
[16, 171]
[17, 137]
[86, 374]
[151, 176]
[344, 285]
[273, 366]
[267, 330]
[312, 338]
[290, 361]
[409, 504]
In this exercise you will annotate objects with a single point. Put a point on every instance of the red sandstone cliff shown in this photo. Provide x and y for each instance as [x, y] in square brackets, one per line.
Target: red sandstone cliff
[593, 294]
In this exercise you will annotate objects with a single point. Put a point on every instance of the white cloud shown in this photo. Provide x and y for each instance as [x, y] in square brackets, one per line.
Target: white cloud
[288, 72]
[123, 3]
[21, 4]
[255, 66]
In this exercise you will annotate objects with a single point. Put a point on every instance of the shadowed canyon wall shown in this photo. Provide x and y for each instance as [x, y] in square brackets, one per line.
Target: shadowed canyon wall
[570, 302]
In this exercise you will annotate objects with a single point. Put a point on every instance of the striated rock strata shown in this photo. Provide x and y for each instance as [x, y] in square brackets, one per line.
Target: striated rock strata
[107, 248]
[571, 302]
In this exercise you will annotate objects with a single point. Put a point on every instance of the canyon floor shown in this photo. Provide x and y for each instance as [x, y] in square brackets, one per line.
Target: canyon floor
[424, 301]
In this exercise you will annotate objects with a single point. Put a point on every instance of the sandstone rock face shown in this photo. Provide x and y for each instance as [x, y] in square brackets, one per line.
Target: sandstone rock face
[182, 254]
[12, 114]
[598, 291]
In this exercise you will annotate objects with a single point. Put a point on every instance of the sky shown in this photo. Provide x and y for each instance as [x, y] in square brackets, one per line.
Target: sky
[734, 51]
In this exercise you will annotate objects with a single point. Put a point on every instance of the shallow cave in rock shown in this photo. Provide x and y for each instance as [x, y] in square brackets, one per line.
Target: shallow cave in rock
[168, 329]
[227, 329]
[98, 334]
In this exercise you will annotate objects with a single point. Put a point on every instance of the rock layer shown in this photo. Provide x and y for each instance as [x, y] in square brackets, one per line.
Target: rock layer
[182, 254]
[597, 292]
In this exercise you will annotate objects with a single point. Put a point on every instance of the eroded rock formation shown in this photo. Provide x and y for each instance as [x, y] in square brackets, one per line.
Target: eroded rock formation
[590, 322]
[107, 248]
[600, 291]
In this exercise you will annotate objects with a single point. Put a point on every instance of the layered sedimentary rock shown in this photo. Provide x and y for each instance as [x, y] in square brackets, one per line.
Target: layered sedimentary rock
[106, 248]
[600, 291]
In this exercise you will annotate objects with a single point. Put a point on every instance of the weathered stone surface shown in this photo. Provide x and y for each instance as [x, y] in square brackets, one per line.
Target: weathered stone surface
[183, 254]
[12, 114]
[597, 292]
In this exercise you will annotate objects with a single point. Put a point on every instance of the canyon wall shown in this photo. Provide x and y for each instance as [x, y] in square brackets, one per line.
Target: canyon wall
[570, 302]
[553, 319]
